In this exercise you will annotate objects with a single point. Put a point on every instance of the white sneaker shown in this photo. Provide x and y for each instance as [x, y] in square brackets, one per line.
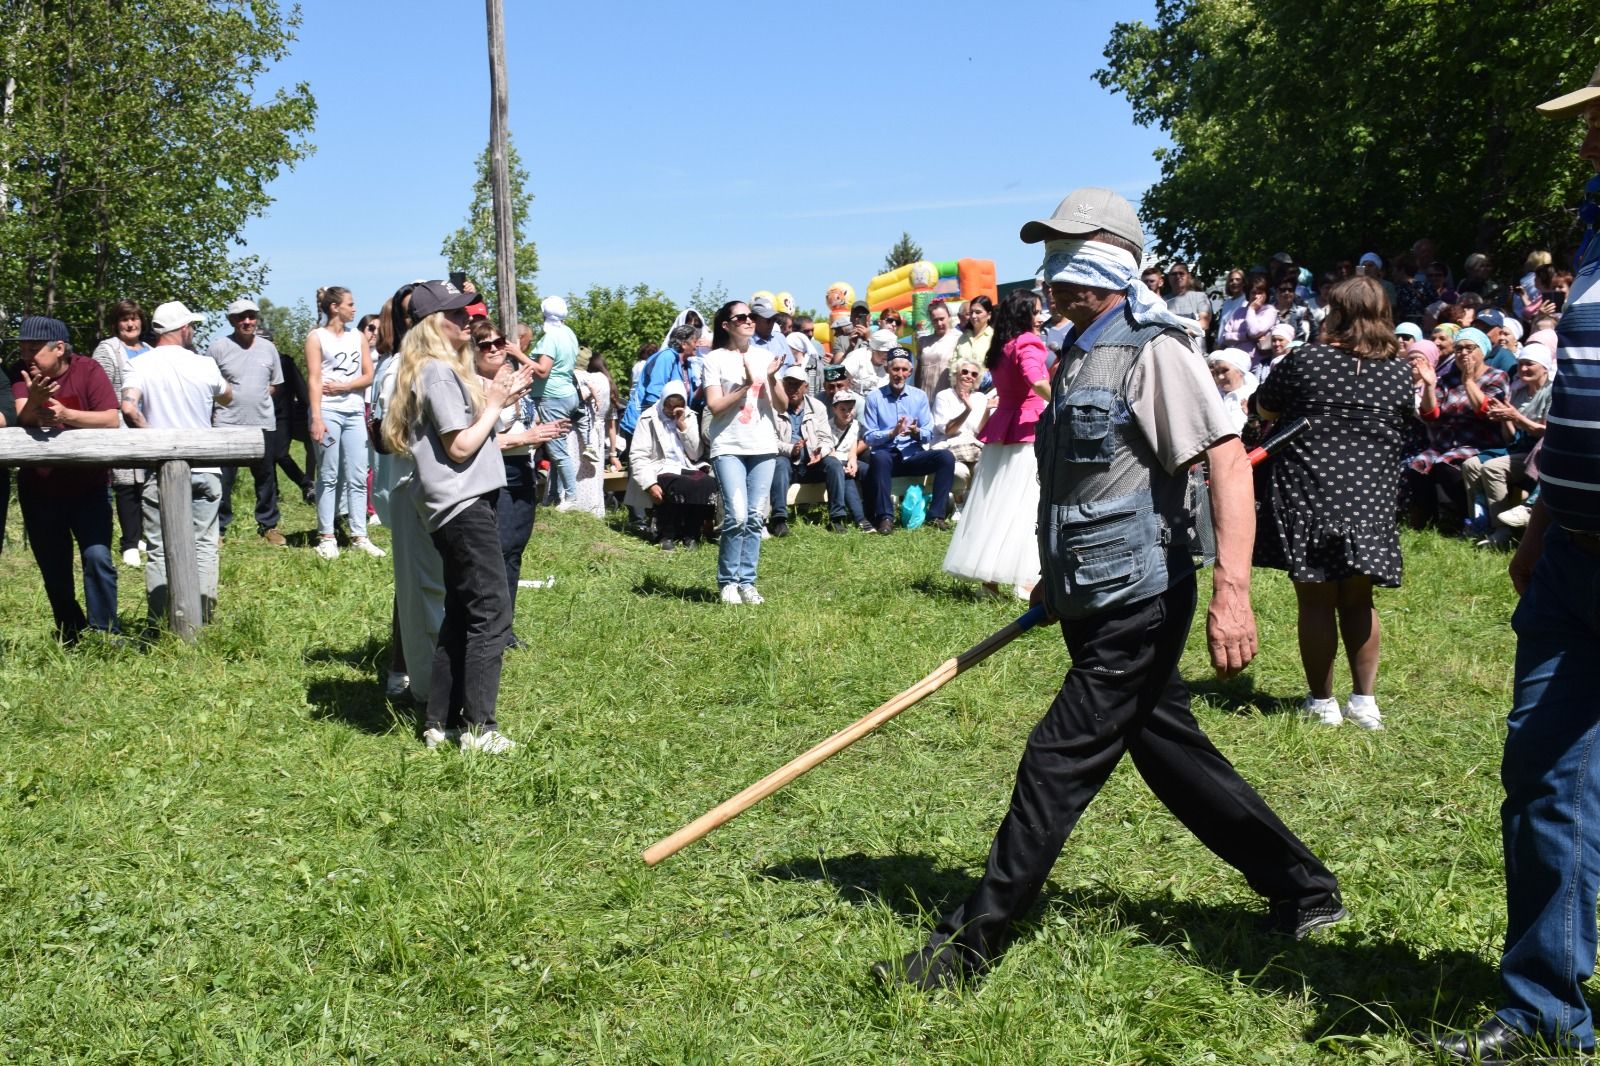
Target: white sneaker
[490, 742]
[327, 549]
[748, 594]
[730, 594]
[1514, 517]
[765, 535]
[131, 557]
[373, 520]
[434, 737]
[589, 454]
[1363, 711]
[365, 545]
[1322, 712]
[565, 506]
[395, 685]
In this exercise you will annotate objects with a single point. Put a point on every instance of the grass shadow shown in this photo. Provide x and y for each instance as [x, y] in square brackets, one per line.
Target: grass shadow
[1238, 695]
[909, 885]
[1344, 970]
[358, 704]
[651, 585]
[947, 588]
[363, 656]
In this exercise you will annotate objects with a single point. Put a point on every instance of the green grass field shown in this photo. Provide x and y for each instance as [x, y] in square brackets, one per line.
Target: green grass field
[236, 852]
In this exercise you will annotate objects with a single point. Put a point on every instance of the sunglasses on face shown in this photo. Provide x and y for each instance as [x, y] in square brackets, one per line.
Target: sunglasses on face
[967, 373]
[741, 319]
[491, 344]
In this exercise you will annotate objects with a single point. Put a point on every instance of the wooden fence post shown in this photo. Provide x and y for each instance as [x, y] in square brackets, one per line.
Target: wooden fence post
[177, 542]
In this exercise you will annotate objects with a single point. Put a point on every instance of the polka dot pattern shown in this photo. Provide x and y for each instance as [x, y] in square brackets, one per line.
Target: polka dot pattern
[1329, 511]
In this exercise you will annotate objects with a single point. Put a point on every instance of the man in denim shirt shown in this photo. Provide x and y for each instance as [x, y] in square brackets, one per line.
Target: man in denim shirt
[898, 427]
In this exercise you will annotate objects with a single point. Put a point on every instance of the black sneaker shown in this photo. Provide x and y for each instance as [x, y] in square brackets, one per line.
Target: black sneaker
[780, 527]
[864, 525]
[1288, 919]
[837, 525]
[668, 544]
[928, 968]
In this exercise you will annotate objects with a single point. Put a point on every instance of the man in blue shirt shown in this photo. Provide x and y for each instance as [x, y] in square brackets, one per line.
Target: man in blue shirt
[898, 426]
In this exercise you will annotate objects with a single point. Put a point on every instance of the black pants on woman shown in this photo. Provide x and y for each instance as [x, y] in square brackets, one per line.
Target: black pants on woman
[477, 620]
[1437, 498]
[130, 514]
[1123, 694]
[515, 510]
[685, 504]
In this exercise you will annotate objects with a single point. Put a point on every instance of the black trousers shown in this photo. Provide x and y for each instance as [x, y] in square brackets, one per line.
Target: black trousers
[1123, 694]
[477, 620]
[514, 512]
[283, 436]
[130, 513]
[685, 505]
[264, 472]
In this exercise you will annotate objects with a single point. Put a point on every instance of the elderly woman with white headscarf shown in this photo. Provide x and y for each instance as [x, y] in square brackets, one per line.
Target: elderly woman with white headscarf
[665, 470]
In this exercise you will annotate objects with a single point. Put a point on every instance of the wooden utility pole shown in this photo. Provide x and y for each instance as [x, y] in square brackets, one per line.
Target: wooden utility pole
[505, 230]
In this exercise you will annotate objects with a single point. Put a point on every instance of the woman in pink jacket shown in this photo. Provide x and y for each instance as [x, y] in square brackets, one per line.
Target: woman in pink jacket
[996, 542]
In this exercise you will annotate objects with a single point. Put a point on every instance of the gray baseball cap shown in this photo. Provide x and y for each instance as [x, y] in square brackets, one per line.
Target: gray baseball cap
[1084, 211]
[762, 307]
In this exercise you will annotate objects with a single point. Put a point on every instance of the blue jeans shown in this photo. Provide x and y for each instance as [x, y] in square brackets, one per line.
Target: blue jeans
[744, 481]
[563, 464]
[342, 465]
[1550, 820]
[843, 496]
[53, 524]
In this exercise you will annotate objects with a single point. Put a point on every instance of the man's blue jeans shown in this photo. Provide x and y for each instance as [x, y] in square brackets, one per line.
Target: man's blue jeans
[744, 481]
[1550, 820]
[843, 496]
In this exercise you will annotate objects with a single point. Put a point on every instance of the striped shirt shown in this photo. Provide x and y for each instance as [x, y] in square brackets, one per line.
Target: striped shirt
[1569, 461]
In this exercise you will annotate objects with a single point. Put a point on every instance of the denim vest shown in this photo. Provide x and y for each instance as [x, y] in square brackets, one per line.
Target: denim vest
[1114, 526]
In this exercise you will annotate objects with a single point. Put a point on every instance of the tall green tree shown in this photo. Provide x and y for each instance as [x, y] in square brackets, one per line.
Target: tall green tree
[1329, 129]
[905, 252]
[288, 326]
[618, 322]
[135, 146]
[471, 248]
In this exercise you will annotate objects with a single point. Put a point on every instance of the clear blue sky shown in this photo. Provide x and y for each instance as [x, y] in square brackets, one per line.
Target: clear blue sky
[728, 144]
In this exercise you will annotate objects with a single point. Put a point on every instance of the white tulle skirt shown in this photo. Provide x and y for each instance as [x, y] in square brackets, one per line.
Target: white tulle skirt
[996, 539]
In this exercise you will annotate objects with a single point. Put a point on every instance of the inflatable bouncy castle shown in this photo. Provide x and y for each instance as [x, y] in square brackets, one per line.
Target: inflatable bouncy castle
[918, 284]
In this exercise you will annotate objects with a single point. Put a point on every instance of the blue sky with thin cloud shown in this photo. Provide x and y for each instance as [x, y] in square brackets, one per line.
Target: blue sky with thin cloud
[734, 145]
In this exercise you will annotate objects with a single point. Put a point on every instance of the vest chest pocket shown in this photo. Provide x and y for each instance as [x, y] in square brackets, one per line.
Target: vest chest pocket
[1108, 552]
[1084, 417]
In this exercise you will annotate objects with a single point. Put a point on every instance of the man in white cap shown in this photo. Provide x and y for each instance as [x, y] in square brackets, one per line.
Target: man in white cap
[555, 393]
[807, 456]
[170, 387]
[1548, 821]
[253, 370]
[1132, 410]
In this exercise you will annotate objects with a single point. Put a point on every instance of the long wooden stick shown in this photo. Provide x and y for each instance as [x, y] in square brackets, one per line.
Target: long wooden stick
[841, 740]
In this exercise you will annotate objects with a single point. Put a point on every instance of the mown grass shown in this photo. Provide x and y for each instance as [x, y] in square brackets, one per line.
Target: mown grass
[236, 852]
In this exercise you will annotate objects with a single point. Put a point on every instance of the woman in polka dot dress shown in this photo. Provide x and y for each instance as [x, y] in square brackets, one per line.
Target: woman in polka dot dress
[1329, 514]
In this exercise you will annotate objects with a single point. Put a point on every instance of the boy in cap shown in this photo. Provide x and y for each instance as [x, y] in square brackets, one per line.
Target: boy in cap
[847, 449]
[58, 390]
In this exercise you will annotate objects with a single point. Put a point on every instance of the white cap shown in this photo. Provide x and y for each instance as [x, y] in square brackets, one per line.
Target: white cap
[843, 396]
[241, 305]
[798, 341]
[882, 340]
[173, 316]
[793, 373]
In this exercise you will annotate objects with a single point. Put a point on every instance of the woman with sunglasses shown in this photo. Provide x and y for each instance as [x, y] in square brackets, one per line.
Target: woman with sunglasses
[996, 541]
[444, 418]
[517, 432]
[742, 390]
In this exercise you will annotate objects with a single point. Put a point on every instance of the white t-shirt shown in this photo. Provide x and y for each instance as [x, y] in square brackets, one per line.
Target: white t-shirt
[747, 429]
[341, 364]
[177, 389]
[947, 405]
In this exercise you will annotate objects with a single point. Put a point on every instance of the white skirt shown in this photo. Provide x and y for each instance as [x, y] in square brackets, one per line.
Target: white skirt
[996, 539]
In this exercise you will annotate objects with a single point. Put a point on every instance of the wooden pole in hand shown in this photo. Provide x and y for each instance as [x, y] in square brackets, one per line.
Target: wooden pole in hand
[505, 229]
[841, 740]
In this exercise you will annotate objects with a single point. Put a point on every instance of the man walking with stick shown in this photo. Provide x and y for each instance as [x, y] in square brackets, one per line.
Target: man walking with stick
[1133, 411]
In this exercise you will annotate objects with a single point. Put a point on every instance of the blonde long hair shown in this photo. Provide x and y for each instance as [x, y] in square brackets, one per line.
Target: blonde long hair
[423, 342]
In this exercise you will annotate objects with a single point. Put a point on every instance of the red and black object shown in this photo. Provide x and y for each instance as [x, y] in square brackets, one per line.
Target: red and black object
[1274, 444]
